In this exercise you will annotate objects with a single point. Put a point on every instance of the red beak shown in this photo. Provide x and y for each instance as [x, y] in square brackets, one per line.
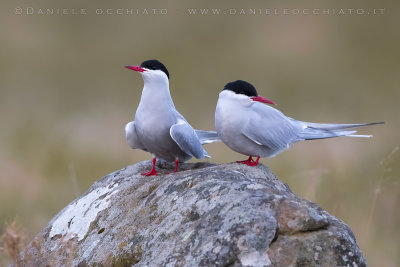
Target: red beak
[262, 100]
[135, 68]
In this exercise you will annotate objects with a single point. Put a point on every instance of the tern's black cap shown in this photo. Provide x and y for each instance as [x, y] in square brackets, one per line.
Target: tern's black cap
[241, 87]
[154, 64]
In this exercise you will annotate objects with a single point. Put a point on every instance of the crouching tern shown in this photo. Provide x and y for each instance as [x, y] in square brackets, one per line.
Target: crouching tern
[249, 127]
[158, 127]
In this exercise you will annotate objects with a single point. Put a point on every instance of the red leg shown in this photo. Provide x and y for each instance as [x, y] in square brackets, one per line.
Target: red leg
[176, 165]
[247, 162]
[254, 163]
[153, 170]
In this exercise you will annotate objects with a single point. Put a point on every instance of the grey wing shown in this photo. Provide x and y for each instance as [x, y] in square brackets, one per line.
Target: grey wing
[207, 137]
[132, 138]
[186, 138]
[271, 128]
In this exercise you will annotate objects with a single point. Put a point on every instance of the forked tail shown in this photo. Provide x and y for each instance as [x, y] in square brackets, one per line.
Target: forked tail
[328, 130]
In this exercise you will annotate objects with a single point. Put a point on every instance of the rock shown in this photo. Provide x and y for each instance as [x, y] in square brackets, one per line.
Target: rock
[204, 215]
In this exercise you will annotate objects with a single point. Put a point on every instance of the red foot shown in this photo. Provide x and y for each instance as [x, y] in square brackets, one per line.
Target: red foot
[250, 161]
[153, 170]
[150, 173]
[252, 164]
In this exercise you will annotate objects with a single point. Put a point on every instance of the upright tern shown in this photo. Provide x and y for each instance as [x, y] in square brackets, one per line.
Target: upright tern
[251, 128]
[158, 127]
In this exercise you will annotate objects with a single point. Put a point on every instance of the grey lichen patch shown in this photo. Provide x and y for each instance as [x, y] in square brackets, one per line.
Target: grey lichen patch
[136, 240]
[192, 215]
[204, 215]
[178, 187]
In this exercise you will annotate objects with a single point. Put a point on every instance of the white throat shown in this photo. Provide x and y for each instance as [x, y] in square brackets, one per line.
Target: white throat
[156, 92]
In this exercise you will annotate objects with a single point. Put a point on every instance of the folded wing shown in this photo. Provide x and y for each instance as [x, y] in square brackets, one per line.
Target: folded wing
[271, 128]
[186, 138]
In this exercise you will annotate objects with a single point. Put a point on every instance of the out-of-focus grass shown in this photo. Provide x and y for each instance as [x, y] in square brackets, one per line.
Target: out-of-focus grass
[65, 98]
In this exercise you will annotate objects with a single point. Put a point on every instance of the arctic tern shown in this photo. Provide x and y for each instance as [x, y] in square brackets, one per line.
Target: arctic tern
[249, 127]
[158, 127]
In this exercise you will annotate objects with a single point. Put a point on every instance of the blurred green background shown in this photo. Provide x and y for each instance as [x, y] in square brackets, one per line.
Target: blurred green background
[65, 98]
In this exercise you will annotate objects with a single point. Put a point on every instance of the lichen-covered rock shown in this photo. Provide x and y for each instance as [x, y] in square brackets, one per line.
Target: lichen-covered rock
[204, 215]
